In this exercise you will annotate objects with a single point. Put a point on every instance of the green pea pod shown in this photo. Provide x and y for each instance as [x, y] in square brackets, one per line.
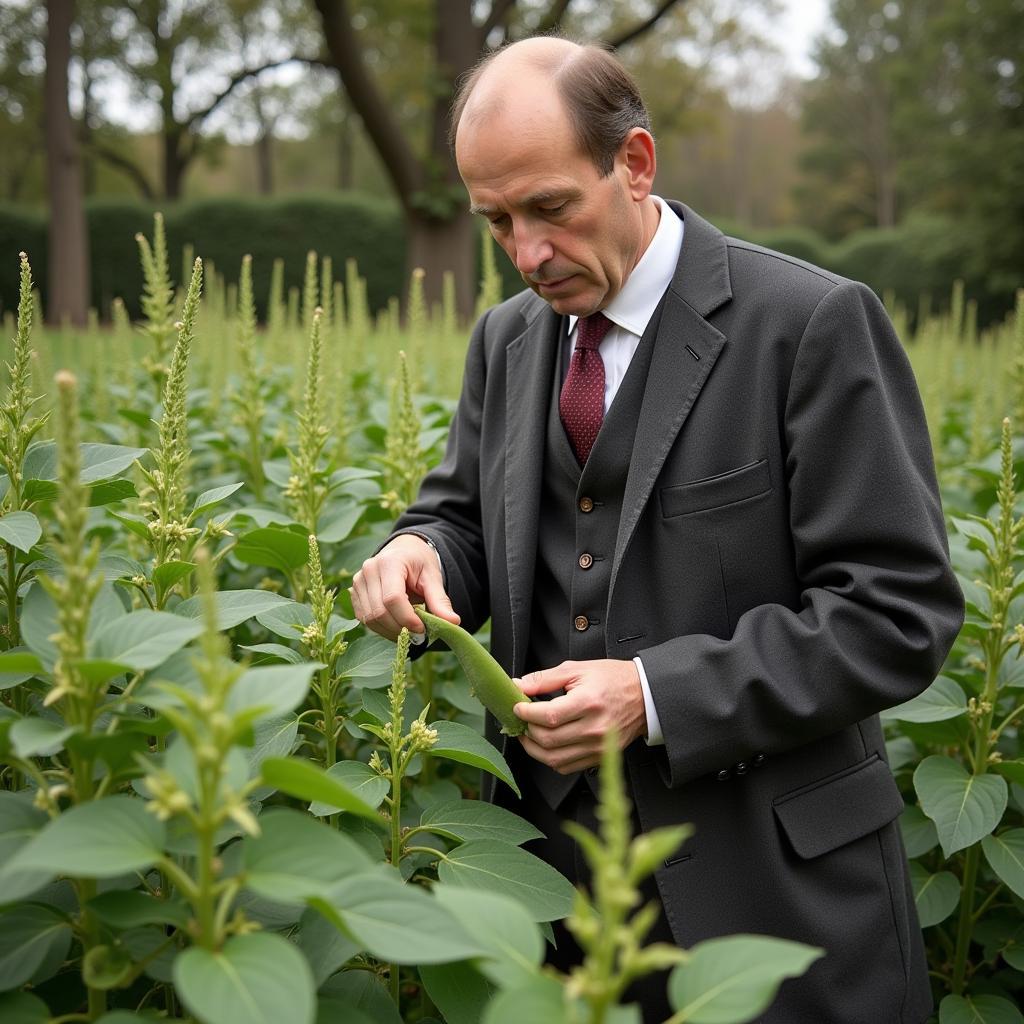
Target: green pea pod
[487, 679]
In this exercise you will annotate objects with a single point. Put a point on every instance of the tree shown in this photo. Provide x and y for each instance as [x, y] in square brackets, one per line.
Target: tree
[68, 271]
[424, 177]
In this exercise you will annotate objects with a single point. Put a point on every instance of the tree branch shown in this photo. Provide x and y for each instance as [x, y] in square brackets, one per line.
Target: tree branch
[125, 164]
[196, 120]
[553, 19]
[648, 23]
[499, 12]
[379, 122]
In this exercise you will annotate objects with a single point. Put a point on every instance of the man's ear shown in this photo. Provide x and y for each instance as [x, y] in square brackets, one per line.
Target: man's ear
[638, 162]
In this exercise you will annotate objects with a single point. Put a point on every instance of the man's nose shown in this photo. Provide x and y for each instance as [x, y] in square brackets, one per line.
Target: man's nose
[533, 250]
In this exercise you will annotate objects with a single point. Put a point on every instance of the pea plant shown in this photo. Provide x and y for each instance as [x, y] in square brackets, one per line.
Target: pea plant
[222, 801]
[957, 749]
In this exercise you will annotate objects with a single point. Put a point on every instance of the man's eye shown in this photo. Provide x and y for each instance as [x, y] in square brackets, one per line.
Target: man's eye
[549, 211]
[498, 222]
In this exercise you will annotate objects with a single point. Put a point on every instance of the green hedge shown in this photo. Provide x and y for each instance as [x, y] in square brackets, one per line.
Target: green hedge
[220, 230]
[920, 257]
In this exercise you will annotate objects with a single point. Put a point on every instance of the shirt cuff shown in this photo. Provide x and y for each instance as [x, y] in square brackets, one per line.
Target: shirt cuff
[654, 737]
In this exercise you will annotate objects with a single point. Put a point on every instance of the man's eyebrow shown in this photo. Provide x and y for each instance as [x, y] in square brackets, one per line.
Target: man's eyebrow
[536, 199]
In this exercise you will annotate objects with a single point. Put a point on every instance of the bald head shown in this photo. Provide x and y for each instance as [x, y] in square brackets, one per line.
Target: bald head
[548, 78]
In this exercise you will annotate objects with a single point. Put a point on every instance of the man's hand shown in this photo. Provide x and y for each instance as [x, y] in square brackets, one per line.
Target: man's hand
[403, 573]
[567, 732]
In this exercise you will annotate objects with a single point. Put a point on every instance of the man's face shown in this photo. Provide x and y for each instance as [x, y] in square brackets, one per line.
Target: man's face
[573, 235]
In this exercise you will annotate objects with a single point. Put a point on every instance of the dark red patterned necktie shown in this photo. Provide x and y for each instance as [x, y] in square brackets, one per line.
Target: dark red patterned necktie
[581, 403]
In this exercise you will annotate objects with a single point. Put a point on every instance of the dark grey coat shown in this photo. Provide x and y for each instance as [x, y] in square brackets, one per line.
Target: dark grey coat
[781, 568]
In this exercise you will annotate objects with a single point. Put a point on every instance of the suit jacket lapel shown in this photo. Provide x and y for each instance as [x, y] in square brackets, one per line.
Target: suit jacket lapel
[685, 351]
[531, 368]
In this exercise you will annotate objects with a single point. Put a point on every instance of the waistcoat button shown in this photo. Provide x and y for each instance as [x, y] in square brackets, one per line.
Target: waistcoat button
[582, 623]
[586, 504]
[586, 560]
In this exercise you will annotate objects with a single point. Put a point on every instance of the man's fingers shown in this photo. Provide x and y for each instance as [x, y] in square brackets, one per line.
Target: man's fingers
[436, 600]
[548, 680]
[550, 714]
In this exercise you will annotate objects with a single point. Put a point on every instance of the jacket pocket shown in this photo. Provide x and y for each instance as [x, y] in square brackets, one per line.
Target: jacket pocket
[715, 491]
[840, 808]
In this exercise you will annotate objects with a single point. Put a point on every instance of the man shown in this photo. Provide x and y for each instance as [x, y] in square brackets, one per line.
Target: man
[736, 563]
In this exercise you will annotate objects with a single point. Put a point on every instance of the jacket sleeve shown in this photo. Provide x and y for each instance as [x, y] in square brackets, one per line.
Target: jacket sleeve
[447, 508]
[879, 603]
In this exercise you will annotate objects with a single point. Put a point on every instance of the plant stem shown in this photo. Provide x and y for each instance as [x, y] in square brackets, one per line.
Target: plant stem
[13, 633]
[966, 925]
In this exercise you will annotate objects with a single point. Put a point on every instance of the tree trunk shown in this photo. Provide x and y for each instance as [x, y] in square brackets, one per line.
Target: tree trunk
[444, 245]
[68, 270]
[265, 162]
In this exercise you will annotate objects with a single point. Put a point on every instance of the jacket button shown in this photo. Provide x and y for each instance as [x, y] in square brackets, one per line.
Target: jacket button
[586, 560]
[758, 760]
[741, 768]
[586, 504]
[582, 623]
[724, 775]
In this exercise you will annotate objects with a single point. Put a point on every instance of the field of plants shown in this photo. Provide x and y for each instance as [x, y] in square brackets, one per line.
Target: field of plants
[222, 801]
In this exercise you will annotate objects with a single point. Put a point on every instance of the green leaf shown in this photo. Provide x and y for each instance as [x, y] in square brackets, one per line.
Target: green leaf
[276, 651]
[31, 936]
[460, 743]
[394, 921]
[296, 856]
[277, 689]
[325, 947]
[965, 808]
[339, 523]
[254, 979]
[306, 781]
[272, 737]
[1005, 855]
[20, 530]
[366, 657]
[111, 491]
[38, 737]
[214, 496]
[23, 1008]
[983, 1009]
[976, 529]
[233, 606]
[1012, 770]
[98, 461]
[124, 1017]
[39, 620]
[943, 699]
[358, 778]
[166, 575]
[363, 992]
[936, 895]
[510, 942]
[500, 867]
[273, 547]
[17, 666]
[102, 839]
[919, 835]
[458, 990]
[543, 1000]
[128, 908]
[287, 619]
[144, 639]
[733, 979]
[475, 819]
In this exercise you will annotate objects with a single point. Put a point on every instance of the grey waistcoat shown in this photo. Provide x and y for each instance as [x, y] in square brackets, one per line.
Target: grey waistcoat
[579, 520]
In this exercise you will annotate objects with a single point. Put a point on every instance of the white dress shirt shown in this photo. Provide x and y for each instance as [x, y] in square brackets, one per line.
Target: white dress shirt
[630, 312]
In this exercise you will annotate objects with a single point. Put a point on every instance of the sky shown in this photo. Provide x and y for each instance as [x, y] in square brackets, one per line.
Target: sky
[796, 30]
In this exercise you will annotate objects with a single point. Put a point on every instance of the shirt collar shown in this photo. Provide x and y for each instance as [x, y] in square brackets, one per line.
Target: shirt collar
[634, 306]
